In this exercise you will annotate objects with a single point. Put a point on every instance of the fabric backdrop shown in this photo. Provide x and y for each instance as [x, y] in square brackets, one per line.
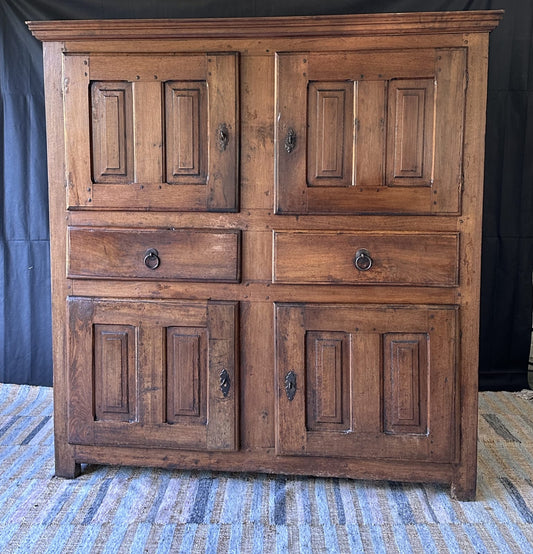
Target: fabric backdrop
[506, 296]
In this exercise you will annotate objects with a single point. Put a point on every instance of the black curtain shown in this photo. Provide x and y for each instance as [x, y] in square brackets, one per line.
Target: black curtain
[506, 296]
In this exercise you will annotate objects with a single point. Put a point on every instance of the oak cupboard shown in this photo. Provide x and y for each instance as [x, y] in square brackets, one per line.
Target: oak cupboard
[265, 239]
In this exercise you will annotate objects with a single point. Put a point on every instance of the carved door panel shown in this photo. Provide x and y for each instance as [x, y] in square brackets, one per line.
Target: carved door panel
[159, 374]
[157, 132]
[366, 381]
[370, 132]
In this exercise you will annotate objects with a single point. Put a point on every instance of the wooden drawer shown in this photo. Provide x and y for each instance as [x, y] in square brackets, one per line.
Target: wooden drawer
[425, 259]
[180, 254]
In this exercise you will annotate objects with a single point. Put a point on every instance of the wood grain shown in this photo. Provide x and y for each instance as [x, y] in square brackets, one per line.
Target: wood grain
[397, 258]
[184, 254]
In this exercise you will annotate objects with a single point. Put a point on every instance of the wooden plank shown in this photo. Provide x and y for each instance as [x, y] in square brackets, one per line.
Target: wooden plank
[464, 480]
[80, 395]
[450, 69]
[265, 292]
[258, 389]
[149, 196]
[148, 132]
[443, 383]
[257, 101]
[373, 65]
[290, 356]
[223, 132]
[367, 381]
[370, 113]
[262, 219]
[223, 403]
[371, 200]
[256, 47]
[140, 67]
[350, 468]
[66, 464]
[291, 133]
[77, 143]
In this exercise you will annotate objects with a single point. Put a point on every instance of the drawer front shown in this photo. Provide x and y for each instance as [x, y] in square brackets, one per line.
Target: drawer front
[181, 254]
[366, 258]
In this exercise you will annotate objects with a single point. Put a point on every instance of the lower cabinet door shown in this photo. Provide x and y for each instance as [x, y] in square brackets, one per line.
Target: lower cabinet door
[153, 373]
[366, 381]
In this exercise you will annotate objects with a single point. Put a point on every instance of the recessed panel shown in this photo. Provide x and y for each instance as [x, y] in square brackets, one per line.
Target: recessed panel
[186, 132]
[112, 136]
[410, 132]
[328, 381]
[405, 383]
[114, 372]
[186, 375]
[330, 134]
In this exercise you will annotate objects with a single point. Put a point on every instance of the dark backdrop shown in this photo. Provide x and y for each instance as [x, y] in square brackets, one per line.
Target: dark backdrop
[506, 297]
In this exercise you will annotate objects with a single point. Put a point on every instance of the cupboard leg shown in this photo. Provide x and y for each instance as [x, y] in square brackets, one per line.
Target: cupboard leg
[464, 488]
[65, 464]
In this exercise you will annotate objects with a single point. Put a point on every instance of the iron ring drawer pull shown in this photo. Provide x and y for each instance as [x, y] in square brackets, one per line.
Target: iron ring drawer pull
[151, 258]
[363, 261]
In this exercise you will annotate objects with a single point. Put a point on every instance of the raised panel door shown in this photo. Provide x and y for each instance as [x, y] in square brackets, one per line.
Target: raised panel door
[370, 132]
[155, 132]
[153, 373]
[366, 381]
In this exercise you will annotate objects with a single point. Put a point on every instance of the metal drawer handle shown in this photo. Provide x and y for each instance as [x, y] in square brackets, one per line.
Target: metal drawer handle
[363, 261]
[151, 258]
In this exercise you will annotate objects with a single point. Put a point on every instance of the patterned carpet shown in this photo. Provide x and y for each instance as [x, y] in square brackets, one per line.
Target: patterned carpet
[129, 510]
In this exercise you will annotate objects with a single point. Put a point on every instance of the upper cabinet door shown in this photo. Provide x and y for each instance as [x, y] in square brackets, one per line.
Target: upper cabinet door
[152, 132]
[370, 132]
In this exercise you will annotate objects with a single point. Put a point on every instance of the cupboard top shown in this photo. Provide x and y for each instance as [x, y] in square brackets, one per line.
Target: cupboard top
[253, 27]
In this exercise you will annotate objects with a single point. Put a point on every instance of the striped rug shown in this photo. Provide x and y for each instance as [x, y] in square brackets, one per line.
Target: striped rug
[131, 510]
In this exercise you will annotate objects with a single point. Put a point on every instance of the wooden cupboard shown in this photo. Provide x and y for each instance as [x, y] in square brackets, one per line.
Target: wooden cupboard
[265, 239]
